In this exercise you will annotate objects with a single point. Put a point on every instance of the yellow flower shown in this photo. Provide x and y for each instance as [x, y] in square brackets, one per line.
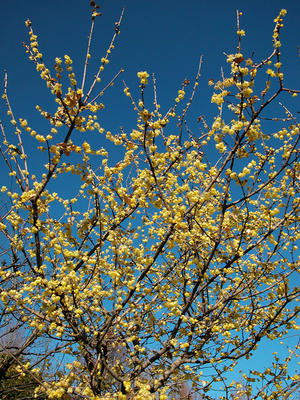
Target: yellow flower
[127, 385]
[270, 72]
[68, 60]
[143, 75]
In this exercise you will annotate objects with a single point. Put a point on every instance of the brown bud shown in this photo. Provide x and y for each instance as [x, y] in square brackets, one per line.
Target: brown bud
[238, 60]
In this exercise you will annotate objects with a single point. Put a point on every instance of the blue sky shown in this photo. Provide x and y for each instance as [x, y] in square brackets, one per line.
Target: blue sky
[165, 37]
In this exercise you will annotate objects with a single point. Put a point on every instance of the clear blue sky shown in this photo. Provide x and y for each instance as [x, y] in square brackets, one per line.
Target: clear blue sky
[165, 37]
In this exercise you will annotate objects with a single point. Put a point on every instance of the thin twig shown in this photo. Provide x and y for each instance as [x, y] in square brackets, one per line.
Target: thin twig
[87, 54]
[107, 86]
[110, 47]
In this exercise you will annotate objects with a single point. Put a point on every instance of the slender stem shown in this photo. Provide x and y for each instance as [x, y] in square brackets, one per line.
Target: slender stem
[87, 54]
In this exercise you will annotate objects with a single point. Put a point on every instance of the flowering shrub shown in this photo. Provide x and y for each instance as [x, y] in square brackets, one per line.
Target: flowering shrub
[172, 261]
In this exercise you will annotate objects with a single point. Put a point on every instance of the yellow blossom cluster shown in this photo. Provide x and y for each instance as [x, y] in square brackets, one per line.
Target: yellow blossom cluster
[143, 75]
[140, 268]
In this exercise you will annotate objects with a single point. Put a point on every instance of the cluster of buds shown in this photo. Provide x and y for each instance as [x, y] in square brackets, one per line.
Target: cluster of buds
[143, 75]
[95, 10]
